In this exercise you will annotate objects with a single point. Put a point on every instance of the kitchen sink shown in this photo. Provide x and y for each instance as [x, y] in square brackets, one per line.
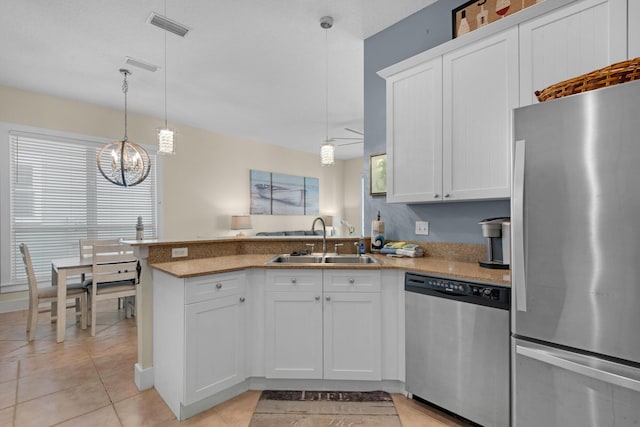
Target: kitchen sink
[350, 259]
[296, 259]
[319, 259]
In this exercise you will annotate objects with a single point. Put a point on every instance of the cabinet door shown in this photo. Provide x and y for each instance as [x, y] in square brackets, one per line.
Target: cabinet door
[352, 335]
[568, 42]
[293, 335]
[414, 133]
[480, 89]
[214, 332]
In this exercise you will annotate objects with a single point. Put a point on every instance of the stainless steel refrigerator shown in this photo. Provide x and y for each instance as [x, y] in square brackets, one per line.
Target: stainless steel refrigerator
[575, 315]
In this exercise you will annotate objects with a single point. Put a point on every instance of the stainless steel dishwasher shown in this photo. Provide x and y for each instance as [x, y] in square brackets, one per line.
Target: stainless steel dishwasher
[457, 347]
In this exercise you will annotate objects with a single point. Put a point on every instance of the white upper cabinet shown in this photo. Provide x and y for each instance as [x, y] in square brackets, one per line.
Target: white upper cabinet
[570, 41]
[414, 133]
[480, 86]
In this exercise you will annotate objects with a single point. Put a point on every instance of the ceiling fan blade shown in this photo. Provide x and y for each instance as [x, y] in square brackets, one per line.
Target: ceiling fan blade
[350, 143]
[355, 131]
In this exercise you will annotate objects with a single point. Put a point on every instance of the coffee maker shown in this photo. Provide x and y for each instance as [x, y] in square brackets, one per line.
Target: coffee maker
[497, 232]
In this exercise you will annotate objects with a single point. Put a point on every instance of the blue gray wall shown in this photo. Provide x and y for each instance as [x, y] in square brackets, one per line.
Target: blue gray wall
[448, 222]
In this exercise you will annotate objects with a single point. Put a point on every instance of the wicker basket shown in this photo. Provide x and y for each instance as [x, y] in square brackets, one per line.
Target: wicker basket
[614, 74]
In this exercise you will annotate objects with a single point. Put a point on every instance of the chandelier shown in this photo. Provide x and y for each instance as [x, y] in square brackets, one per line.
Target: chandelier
[123, 162]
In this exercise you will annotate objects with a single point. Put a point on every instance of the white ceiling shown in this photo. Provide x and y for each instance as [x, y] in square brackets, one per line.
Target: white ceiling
[249, 68]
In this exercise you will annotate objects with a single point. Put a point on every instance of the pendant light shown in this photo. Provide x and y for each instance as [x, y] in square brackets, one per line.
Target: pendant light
[327, 149]
[123, 162]
[166, 136]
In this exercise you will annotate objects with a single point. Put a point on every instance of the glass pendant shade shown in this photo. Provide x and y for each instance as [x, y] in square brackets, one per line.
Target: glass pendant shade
[124, 163]
[326, 154]
[166, 141]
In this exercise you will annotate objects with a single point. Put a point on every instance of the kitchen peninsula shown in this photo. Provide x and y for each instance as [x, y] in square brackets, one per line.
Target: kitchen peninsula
[220, 317]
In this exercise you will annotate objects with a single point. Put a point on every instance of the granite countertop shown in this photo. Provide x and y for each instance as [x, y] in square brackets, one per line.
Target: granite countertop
[425, 265]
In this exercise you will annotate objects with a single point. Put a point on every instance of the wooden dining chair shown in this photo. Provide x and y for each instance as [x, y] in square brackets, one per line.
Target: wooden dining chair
[86, 245]
[49, 295]
[114, 275]
[86, 250]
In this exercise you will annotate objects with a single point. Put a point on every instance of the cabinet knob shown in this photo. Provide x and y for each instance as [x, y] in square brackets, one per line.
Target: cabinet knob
[328, 298]
[317, 297]
[352, 281]
[293, 281]
[218, 285]
[446, 195]
[242, 299]
[435, 196]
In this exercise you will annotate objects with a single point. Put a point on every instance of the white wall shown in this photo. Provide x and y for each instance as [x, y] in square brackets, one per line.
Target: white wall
[208, 178]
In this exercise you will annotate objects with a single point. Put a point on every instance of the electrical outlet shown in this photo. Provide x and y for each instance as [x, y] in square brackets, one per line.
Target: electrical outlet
[422, 228]
[179, 252]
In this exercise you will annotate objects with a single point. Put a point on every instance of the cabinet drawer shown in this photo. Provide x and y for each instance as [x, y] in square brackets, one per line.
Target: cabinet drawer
[294, 280]
[214, 286]
[351, 281]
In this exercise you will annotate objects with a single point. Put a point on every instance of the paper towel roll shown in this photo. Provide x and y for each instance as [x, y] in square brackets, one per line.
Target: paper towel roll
[377, 235]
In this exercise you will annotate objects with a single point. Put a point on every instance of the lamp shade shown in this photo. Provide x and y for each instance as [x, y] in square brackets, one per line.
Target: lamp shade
[326, 154]
[240, 222]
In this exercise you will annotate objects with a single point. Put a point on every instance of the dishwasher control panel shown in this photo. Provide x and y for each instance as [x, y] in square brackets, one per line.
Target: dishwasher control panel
[475, 293]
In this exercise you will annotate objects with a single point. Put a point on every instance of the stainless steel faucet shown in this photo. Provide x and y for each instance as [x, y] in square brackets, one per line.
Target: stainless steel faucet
[324, 233]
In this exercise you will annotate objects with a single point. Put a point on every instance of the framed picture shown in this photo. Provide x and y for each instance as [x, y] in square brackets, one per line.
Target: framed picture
[477, 13]
[378, 174]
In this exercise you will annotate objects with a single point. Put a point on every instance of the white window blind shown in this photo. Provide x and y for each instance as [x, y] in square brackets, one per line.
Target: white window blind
[58, 196]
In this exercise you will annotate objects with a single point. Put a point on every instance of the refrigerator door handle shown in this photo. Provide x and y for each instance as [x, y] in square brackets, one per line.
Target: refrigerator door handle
[519, 284]
[556, 358]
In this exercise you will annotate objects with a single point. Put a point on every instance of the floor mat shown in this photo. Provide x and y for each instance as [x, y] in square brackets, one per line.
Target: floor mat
[320, 409]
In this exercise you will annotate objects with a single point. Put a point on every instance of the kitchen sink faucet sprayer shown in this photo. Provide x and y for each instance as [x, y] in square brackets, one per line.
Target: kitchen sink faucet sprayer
[324, 233]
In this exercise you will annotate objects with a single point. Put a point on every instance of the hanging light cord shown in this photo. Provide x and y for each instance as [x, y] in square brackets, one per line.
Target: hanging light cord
[326, 97]
[125, 88]
[165, 69]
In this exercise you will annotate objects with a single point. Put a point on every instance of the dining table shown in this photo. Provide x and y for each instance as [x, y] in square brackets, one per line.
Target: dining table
[61, 269]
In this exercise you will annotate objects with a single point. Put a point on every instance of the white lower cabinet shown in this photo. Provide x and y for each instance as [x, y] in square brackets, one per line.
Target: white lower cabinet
[293, 334]
[198, 337]
[352, 336]
[331, 330]
[214, 334]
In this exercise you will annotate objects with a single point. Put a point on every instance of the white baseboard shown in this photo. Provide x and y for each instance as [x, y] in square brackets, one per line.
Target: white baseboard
[143, 377]
[13, 305]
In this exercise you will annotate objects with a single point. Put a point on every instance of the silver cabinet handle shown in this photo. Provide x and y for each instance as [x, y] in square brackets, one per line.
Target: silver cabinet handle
[293, 281]
[242, 299]
[218, 285]
[352, 281]
[435, 196]
[446, 195]
[328, 298]
[317, 297]
[517, 201]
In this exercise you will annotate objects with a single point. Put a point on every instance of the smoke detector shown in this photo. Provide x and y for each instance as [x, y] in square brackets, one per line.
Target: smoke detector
[326, 22]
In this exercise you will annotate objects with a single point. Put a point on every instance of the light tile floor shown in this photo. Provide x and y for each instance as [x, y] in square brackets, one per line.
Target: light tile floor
[88, 381]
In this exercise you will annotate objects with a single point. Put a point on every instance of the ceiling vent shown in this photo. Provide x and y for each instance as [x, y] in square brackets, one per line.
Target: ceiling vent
[141, 64]
[168, 24]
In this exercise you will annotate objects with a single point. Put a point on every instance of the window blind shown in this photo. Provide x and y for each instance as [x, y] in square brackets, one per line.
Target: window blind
[58, 196]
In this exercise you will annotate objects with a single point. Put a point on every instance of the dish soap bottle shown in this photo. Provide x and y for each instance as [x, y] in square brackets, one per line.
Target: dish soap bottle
[377, 234]
[361, 246]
